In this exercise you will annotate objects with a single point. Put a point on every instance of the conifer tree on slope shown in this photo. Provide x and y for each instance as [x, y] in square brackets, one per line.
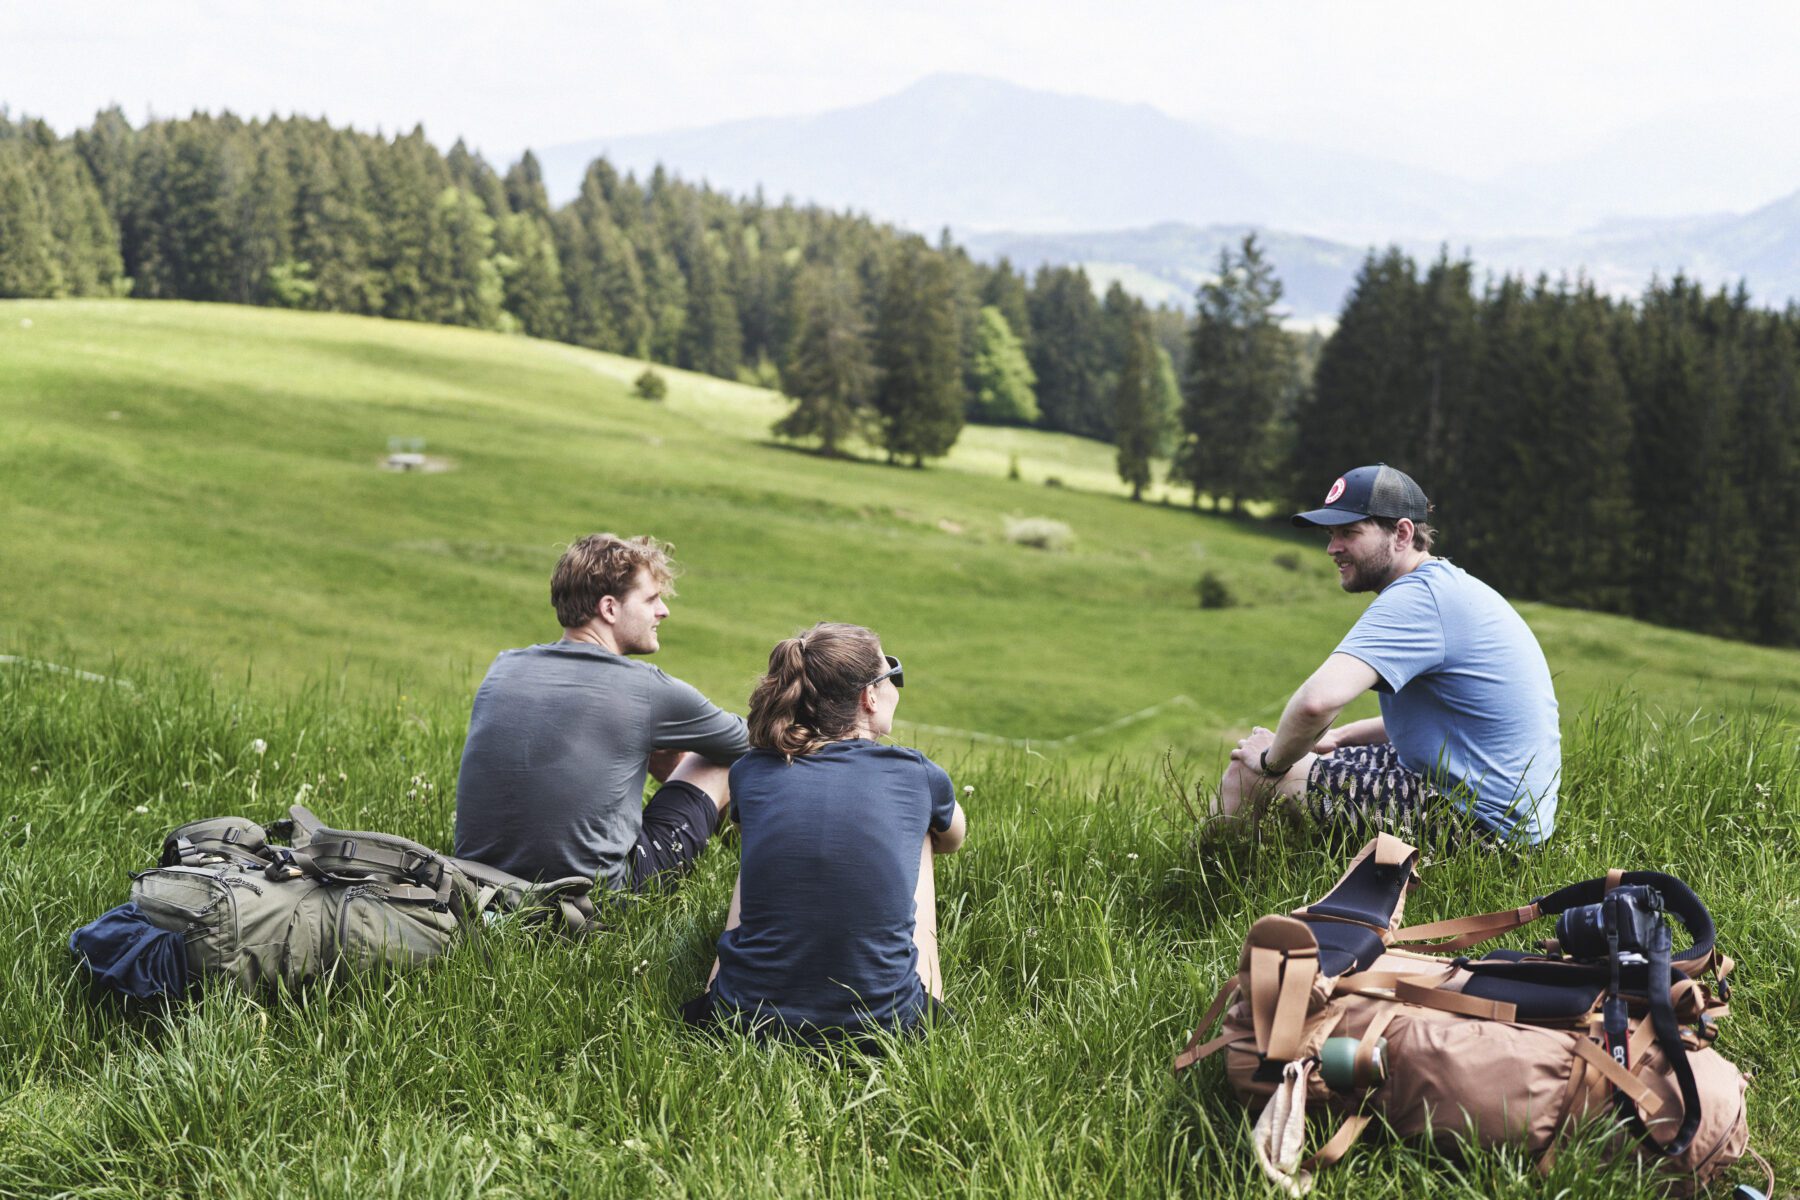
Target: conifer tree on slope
[918, 399]
[27, 256]
[1138, 416]
[1065, 351]
[829, 374]
[1003, 384]
[1241, 367]
[1365, 369]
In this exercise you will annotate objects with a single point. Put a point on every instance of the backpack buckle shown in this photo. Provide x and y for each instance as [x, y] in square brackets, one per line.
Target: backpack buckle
[283, 866]
[414, 866]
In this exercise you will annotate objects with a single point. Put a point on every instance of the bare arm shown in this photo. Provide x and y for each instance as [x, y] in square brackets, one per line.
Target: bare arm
[1369, 732]
[949, 841]
[1309, 713]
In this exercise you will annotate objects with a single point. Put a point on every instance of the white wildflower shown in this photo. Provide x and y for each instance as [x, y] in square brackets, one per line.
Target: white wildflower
[140, 809]
[1132, 856]
[968, 789]
[258, 746]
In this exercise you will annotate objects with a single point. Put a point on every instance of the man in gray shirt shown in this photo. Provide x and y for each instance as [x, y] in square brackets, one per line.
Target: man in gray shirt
[561, 736]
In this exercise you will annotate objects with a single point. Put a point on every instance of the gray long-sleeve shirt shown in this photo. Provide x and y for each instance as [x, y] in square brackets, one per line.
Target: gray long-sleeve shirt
[560, 736]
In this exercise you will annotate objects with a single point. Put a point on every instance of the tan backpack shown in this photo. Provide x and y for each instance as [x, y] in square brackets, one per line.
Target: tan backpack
[1331, 1007]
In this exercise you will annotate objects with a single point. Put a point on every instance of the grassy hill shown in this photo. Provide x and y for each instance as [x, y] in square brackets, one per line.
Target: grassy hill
[191, 498]
[204, 482]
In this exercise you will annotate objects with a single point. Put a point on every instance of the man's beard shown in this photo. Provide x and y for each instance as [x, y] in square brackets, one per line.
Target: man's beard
[1370, 574]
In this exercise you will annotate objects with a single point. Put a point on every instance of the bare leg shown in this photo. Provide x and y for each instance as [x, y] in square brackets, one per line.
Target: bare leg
[1243, 792]
[925, 924]
[706, 775]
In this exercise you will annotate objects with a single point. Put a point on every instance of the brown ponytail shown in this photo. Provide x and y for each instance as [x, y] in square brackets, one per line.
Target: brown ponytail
[811, 693]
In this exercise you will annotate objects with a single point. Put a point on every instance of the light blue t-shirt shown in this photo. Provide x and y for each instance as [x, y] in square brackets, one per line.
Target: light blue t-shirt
[1466, 695]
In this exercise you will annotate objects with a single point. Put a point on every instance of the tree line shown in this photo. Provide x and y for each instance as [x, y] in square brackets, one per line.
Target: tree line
[872, 331]
[1638, 458]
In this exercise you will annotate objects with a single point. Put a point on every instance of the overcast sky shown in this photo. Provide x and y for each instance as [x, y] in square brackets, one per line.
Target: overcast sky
[1467, 87]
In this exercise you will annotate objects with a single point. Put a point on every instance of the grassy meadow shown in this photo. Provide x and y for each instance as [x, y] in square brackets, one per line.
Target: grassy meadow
[191, 501]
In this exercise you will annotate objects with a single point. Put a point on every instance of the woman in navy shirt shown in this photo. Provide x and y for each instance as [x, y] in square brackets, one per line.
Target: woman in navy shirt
[833, 922]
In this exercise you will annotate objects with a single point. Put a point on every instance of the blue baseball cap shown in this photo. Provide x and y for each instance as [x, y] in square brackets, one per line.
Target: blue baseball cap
[1377, 491]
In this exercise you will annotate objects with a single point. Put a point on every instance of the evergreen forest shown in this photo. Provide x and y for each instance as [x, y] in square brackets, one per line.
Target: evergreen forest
[1641, 458]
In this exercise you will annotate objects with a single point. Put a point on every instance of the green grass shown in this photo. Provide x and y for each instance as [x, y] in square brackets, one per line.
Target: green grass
[190, 499]
[1082, 932]
[202, 483]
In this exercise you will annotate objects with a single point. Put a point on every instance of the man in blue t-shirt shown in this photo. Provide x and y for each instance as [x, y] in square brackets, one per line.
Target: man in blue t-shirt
[1467, 735]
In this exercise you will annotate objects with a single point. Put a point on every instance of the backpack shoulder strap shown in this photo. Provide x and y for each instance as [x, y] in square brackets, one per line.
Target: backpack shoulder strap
[305, 824]
[567, 903]
[1463, 932]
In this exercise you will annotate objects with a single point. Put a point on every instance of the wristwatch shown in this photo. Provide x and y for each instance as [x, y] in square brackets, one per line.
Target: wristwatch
[1262, 764]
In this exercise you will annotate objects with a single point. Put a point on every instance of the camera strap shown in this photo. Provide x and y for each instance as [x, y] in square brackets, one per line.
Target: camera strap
[1614, 1014]
[1658, 982]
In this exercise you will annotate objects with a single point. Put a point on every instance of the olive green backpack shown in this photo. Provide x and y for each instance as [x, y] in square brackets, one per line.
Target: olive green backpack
[256, 913]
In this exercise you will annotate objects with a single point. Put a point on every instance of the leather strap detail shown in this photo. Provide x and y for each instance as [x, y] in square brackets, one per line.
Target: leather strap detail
[1341, 1141]
[1428, 995]
[1647, 1101]
[1193, 1052]
[1464, 932]
[1289, 1022]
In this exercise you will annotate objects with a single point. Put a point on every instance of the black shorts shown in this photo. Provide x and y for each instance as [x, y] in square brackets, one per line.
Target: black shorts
[1360, 791]
[677, 822]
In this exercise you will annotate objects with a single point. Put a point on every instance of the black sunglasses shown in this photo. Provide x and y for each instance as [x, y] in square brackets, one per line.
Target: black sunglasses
[895, 672]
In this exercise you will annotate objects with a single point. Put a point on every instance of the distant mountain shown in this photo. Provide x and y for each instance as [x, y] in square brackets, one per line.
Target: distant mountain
[1167, 263]
[981, 154]
[1761, 248]
[1674, 165]
[1020, 172]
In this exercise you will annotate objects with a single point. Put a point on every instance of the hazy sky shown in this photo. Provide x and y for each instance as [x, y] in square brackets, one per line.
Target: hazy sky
[1467, 87]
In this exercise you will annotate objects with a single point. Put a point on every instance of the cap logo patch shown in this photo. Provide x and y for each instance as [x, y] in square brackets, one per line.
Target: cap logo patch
[1337, 489]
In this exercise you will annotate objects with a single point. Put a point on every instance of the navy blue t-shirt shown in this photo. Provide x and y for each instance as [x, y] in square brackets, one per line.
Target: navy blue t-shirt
[831, 848]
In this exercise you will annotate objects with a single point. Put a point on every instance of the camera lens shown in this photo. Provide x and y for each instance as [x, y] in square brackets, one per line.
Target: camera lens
[1581, 931]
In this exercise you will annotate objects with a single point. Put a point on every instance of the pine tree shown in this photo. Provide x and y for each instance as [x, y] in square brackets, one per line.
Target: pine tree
[460, 280]
[919, 399]
[1348, 416]
[1004, 289]
[262, 215]
[1003, 381]
[525, 188]
[531, 274]
[1138, 414]
[1772, 473]
[711, 339]
[407, 178]
[27, 256]
[829, 374]
[1241, 371]
[1066, 352]
[184, 214]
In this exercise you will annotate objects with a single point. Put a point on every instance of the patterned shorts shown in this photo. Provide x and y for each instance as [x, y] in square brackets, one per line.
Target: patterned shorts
[1362, 790]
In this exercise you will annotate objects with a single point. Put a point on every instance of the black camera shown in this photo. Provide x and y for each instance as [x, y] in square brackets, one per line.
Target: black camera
[1632, 914]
